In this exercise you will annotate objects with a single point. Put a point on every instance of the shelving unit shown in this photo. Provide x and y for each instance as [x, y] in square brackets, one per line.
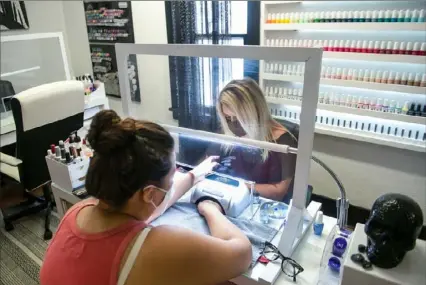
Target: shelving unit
[346, 26]
[351, 83]
[353, 111]
[358, 31]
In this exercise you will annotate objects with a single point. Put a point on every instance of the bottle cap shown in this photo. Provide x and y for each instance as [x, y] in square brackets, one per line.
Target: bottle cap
[49, 153]
[319, 218]
[61, 143]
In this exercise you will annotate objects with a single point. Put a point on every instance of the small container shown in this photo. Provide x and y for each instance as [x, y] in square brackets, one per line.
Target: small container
[385, 107]
[362, 16]
[366, 103]
[339, 16]
[382, 47]
[385, 77]
[370, 48]
[415, 16]
[333, 17]
[354, 102]
[366, 75]
[368, 16]
[394, 16]
[321, 98]
[379, 104]
[333, 73]
[407, 17]
[348, 101]
[388, 16]
[402, 48]
[345, 16]
[360, 103]
[350, 74]
[389, 47]
[356, 16]
[347, 46]
[374, 16]
[378, 77]
[401, 16]
[381, 17]
[328, 72]
[355, 74]
[342, 100]
[350, 17]
[327, 17]
[345, 74]
[391, 78]
[322, 17]
[360, 75]
[417, 79]
[269, 18]
[404, 79]
[296, 17]
[373, 102]
[405, 108]
[376, 47]
[423, 81]
[397, 78]
[364, 46]
[392, 106]
[338, 73]
[395, 48]
[358, 46]
[409, 48]
[268, 42]
[423, 49]
[410, 81]
[398, 108]
[276, 68]
[325, 45]
[326, 98]
[285, 43]
[416, 49]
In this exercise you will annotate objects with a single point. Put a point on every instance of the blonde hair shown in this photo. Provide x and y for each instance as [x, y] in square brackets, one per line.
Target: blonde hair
[246, 100]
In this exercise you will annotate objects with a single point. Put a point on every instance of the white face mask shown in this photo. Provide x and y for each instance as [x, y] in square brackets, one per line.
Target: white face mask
[167, 197]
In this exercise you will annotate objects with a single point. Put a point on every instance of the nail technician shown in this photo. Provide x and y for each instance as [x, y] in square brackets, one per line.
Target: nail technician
[243, 112]
[108, 240]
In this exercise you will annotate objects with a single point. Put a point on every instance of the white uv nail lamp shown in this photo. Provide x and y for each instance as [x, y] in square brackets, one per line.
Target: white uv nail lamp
[154, 82]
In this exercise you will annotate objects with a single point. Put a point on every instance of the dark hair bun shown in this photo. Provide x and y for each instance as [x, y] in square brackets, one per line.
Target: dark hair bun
[108, 132]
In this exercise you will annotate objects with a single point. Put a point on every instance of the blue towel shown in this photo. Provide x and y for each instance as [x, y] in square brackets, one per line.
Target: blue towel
[186, 215]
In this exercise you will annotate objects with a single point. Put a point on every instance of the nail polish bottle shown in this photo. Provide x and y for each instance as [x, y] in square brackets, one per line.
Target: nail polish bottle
[338, 73]
[342, 100]
[337, 99]
[348, 101]
[296, 18]
[416, 49]
[328, 72]
[370, 48]
[347, 46]
[310, 43]
[405, 108]
[285, 44]
[389, 47]
[321, 98]
[326, 98]
[350, 74]
[333, 73]
[294, 70]
[421, 16]
[345, 16]
[391, 79]
[311, 17]
[409, 49]
[373, 104]
[319, 44]
[374, 16]
[385, 107]
[379, 104]
[269, 18]
[418, 110]
[356, 16]
[395, 49]
[378, 77]
[382, 47]
[302, 43]
[394, 16]
[359, 46]
[350, 16]
[364, 46]
[322, 17]
[339, 16]
[355, 74]
[276, 68]
[398, 78]
[423, 82]
[414, 16]
[385, 77]
[398, 109]
[417, 79]
[376, 47]
[401, 16]
[345, 74]
[360, 103]
[381, 17]
[368, 16]
[372, 76]
[362, 16]
[291, 18]
[407, 17]
[412, 110]
[286, 18]
[423, 49]
[366, 75]
[354, 102]
[325, 45]
[402, 48]
[404, 79]
[327, 17]
[331, 102]
[388, 16]
[424, 115]
[318, 225]
[280, 69]
[410, 81]
[392, 106]
[316, 18]
[360, 75]
[353, 46]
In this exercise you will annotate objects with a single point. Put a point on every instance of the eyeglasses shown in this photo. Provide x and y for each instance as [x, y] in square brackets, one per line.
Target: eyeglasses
[288, 266]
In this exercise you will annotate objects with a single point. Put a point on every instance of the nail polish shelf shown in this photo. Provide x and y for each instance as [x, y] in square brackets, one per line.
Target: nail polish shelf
[413, 59]
[365, 136]
[353, 111]
[385, 26]
[351, 83]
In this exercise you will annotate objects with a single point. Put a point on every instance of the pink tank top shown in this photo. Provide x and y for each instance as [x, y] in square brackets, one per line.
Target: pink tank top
[74, 257]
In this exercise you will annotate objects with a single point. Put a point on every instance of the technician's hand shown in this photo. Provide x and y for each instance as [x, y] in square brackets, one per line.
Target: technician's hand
[208, 207]
[204, 168]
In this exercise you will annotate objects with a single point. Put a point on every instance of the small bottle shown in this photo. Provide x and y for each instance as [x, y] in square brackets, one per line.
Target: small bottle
[405, 108]
[318, 224]
[374, 16]
[326, 98]
[348, 101]
[385, 107]
[395, 48]
[389, 47]
[385, 77]
[404, 79]
[355, 74]
[409, 48]
[350, 74]
[381, 17]
[338, 73]
[350, 17]
[372, 76]
[421, 16]
[407, 17]
[358, 46]
[321, 98]
[416, 49]
[401, 16]
[376, 47]
[398, 78]
[378, 77]
[366, 103]
[410, 81]
[364, 46]
[296, 17]
[345, 16]
[417, 79]
[360, 75]
[394, 16]
[391, 78]
[423, 81]
[382, 49]
[328, 72]
[398, 109]
[412, 110]
[415, 16]
[360, 103]
[322, 17]
[388, 16]
[333, 73]
[291, 18]
[333, 17]
[373, 104]
[345, 74]
[354, 102]
[327, 17]
[402, 48]
[356, 16]
[392, 106]
[379, 104]
[353, 46]
[368, 16]
[370, 48]
[269, 18]
[331, 102]
[342, 100]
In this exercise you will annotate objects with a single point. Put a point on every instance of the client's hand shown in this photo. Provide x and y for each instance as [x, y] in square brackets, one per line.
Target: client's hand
[204, 168]
[207, 207]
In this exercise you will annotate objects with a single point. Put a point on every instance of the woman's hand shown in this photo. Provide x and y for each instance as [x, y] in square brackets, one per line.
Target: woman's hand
[207, 207]
[204, 168]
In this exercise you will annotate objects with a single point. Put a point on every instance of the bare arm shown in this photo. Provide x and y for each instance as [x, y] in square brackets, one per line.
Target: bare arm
[173, 255]
[276, 191]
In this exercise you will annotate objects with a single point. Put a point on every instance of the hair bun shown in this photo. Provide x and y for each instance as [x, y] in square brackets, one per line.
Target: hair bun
[107, 131]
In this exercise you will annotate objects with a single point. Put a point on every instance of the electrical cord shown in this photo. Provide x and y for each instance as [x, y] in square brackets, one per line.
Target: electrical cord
[333, 175]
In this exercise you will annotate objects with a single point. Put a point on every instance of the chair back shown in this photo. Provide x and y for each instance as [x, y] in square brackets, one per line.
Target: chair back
[6, 90]
[44, 115]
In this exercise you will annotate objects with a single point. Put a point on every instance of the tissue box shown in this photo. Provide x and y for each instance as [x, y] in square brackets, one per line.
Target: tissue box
[68, 176]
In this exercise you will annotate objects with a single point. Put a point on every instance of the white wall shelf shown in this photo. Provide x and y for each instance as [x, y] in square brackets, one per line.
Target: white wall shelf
[347, 26]
[401, 58]
[365, 136]
[281, 2]
[354, 111]
[351, 83]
